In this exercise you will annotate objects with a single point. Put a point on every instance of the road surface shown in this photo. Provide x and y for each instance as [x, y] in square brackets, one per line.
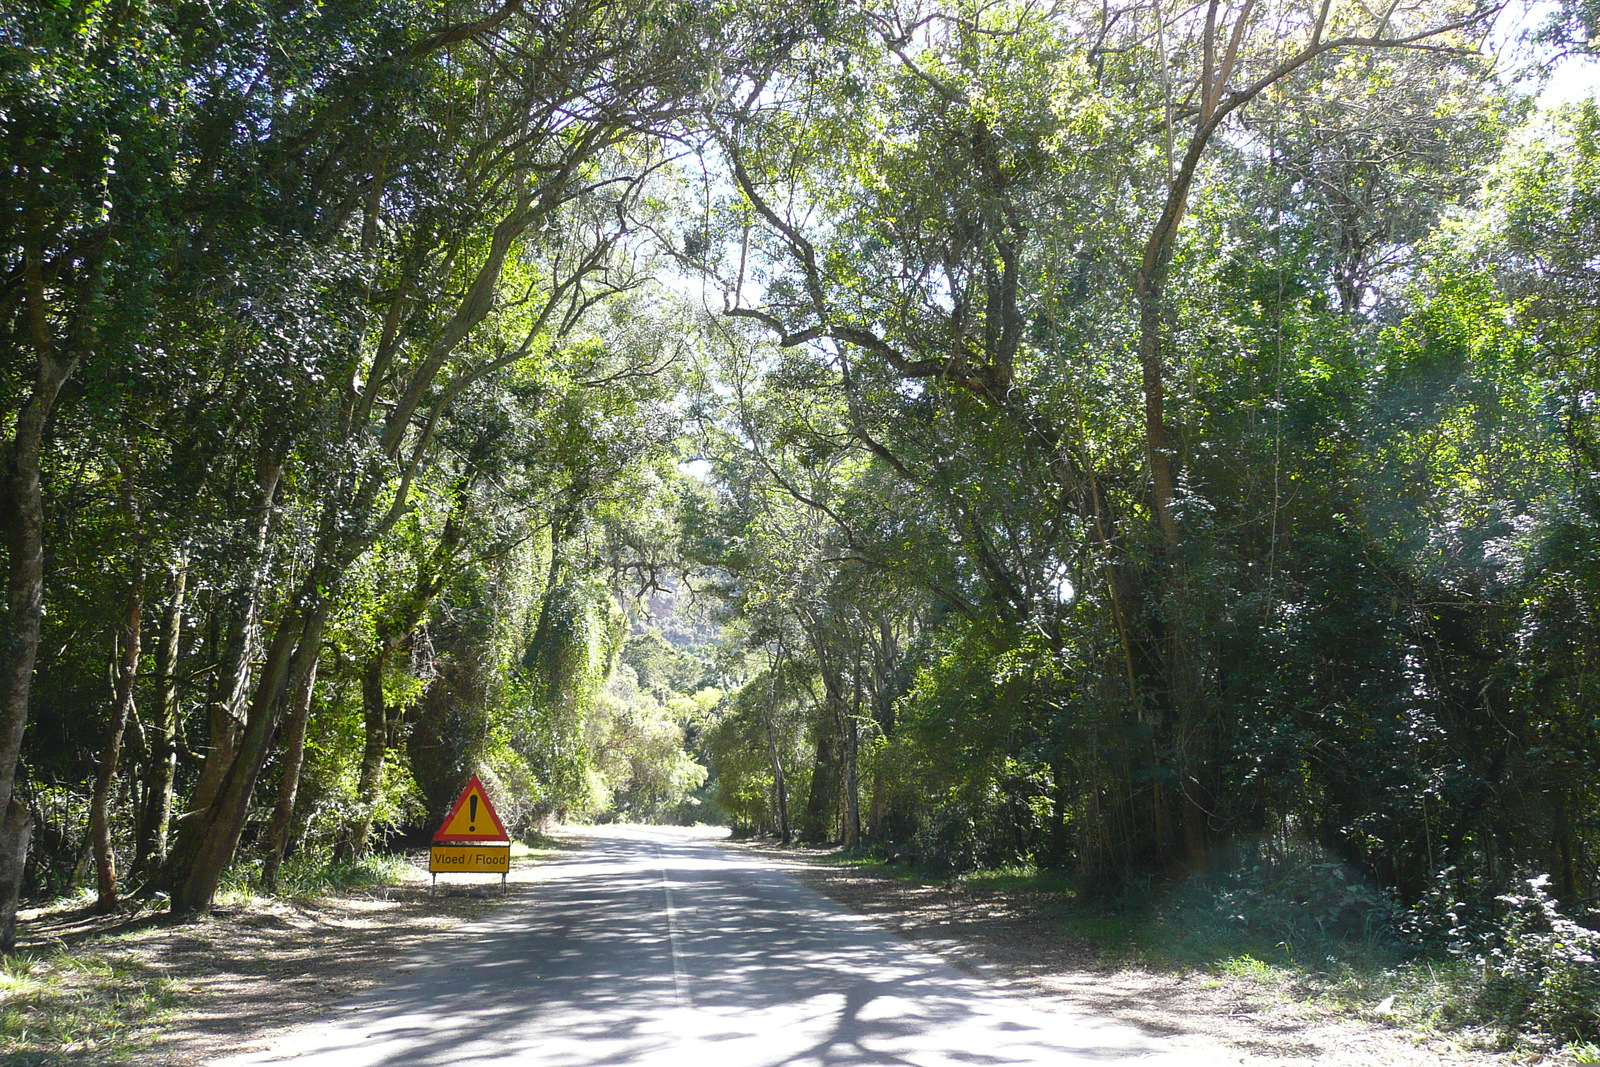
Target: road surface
[656, 948]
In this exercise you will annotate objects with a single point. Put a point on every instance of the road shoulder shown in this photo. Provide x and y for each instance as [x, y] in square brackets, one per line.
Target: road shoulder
[1008, 939]
[144, 991]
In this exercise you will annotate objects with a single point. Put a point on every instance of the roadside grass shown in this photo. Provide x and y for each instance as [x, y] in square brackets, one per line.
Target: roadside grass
[304, 877]
[1363, 972]
[535, 845]
[1019, 878]
[878, 865]
[83, 1005]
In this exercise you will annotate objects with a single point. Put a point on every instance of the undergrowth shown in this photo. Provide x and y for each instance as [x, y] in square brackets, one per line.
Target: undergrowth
[310, 876]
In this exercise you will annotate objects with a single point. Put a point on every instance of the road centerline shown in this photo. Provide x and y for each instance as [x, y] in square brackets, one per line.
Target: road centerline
[680, 978]
[576, 977]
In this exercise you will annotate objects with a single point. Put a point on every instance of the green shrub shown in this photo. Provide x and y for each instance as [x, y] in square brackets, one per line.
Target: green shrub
[1544, 975]
[1294, 898]
[947, 842]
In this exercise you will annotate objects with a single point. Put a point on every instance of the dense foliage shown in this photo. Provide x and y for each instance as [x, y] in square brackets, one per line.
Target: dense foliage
[1141, 440]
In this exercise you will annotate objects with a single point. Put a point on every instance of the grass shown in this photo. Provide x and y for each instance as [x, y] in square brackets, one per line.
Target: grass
[303, 878]
[1584, 1052]
[79, 1006]
[1019, 878]
[858, 859]
[93, 1002]
[536, 845]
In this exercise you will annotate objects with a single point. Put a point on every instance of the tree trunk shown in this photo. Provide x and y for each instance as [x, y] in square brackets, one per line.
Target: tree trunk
[225, 713]
[22, 525]
[852, 789]
[207, 842]
[780, 788]
[16, 831]
[225, 710]
[822, 804]
[162, 763]
[1158, 445]
[294, 758]
[80, 868]
[780, 783]
[375, 717]
[105, 861]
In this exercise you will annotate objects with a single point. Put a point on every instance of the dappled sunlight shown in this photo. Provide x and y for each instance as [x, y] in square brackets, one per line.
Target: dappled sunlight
[655, 948]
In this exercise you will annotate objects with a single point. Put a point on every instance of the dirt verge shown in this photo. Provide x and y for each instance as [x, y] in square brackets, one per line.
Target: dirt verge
[151, 993]
[1008, 938]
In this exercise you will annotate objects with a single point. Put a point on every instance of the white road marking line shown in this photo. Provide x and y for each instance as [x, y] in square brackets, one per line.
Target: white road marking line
[680, 980]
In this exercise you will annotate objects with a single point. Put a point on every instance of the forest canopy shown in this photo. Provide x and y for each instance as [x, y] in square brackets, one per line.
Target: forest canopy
[1144, 440]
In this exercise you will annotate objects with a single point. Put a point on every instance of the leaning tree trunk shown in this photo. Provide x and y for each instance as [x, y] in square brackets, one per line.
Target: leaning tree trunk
[105, 860]
[294, 759]
[225, 713]
[207, 842]
[229, 700]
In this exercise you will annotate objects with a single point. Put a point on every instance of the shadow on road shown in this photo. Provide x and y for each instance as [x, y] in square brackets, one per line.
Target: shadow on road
[654, 949]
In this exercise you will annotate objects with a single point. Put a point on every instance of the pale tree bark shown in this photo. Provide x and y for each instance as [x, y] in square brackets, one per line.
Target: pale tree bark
[229, 701]
[162, 759]
[128, 641]
[210, 840]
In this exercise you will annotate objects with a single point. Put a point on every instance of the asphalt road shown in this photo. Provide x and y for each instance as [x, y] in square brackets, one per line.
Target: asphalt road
[654, 948]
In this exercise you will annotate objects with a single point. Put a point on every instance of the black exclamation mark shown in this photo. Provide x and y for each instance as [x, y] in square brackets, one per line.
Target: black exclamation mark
[472, 802]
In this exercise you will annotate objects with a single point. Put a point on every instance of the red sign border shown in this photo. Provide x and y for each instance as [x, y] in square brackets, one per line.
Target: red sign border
[440, 837]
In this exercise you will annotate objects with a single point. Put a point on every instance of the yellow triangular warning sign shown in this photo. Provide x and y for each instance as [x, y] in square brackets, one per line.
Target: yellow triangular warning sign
[472, 818]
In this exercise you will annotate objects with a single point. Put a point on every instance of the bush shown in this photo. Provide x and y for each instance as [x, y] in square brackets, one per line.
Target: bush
[1544, 975]
[1290, 896]
[947, 843]
[992, 823]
